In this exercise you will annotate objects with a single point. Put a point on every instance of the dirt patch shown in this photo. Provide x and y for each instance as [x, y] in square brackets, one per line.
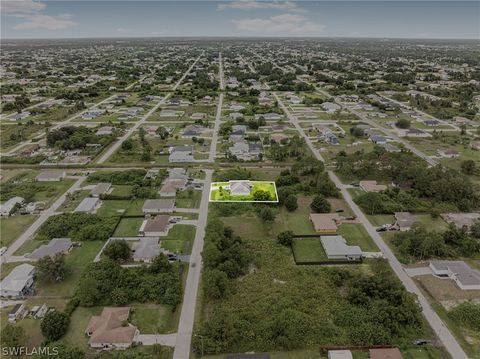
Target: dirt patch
[446, 290]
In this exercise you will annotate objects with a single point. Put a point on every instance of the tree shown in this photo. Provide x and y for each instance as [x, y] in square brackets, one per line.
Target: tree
[291, 203]
[266, 214]
[475, 230]
[468, 167]
[52, 269]
[54, 325]
[162, 132]
[127, 145]
[403, 123]
[215, 283]
[262, 195]
[160, 264]
[285, 238]
[13, 337]
[117, 250]
[320, 204]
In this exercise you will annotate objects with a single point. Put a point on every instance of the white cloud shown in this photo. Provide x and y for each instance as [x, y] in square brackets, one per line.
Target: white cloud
[39, 21]
[21, 6]
[280, 24]
[123, 30]
[252, 4]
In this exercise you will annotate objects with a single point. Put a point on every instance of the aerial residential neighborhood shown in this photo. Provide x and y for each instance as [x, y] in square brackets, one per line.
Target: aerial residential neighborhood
[240, 179]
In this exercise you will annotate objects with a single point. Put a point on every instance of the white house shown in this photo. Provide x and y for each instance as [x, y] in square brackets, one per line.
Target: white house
[19, 282]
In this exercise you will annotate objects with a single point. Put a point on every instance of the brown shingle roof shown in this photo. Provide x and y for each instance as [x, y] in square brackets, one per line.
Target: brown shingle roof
[387, 353]
[324, 222]
[157, 224]
[108, 327]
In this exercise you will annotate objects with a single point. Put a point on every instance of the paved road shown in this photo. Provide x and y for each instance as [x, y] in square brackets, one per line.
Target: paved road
[216, 128]
[111, 150]
[187, 316]
[445, 336]
[41, 219]
[220, 72]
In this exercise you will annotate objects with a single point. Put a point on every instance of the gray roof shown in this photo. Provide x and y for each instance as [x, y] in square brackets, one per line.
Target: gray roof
[10, 204]
[337, 246]
[87, 205]
[465, 275]
[182, 149]
[405, 219]
[146, 248]
[56, 245]
[17, 278]
[50, 175]
[240, 187]
[100, 188]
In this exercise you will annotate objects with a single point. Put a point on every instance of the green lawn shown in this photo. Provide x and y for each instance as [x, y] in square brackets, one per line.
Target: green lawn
[128, 227]
[122, 190]
[113, 208]
[29, 247]
[50, 191]
[308, 250]
[188, 199]
[219, 192]
[180, 239]
[12, 227]
[153, 318]
[356, 235]
[73, 201]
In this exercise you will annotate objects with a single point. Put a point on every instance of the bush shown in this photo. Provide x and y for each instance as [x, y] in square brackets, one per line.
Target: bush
[403, 123]
[54, 325]
[117, 250]
[291, 203]
[467, 314]
[285, 238]
[320, 204]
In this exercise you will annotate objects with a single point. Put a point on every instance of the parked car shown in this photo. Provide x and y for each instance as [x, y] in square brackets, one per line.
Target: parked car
[3, 250]
[339, 210]
[420, 342]
[381, 229]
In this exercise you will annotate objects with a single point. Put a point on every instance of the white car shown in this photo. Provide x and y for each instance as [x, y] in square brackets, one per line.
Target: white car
[3, 250]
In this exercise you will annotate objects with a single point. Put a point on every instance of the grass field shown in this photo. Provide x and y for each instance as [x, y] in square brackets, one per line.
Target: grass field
[220, 192]
[180, 239]
[356, 235]
[128, 227]
[188, 199]
[308, 250]
[153, 318]
[12, 227]
[113, 208]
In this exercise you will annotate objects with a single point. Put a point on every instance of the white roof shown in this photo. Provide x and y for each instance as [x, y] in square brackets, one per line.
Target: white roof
[340, 354]
[8, 205]
[87, 205]
[17, 279]
[337, 246]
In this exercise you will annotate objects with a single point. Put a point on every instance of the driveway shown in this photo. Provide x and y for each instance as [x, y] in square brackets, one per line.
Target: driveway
[162, 339]
[413, 272]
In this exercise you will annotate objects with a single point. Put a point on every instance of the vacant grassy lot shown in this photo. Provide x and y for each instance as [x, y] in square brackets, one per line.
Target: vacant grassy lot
[128, 227]
[220, 191]
[308, 250]
[180, 239]
[113, 208]
[12, 227]
[356, 235]
[153, 318]
[188, 199]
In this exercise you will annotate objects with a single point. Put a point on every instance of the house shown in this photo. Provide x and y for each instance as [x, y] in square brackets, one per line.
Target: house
[235, 115]
[171, 186]
[181, 154]
[340, 354]
[465, 277]
[156, 226]
[153, 206]
[7, 208]
[336, 248]
[378, 140]
[198, 116]
[177, 173]
[431, 122]
[254, 149]
[192, 130]
[390, 148]
[278, 138]
[109, 331]
[331, 138]
[54, 247]
[330, 107]
[324, 222]
[448, 153]
[238, 130]
[385, 353]
[51, 176]
[168, 113]
[415, 132]
[271, 116]
[240, 188]
[88, 205]
[404, 220]
[19, 282]
[461, 220]
[104, 131]
[17, 311]
[100, 188]
[372, 186]
[145, 250]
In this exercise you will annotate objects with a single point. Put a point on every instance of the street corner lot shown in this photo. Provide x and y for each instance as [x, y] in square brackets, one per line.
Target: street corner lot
[220, 192]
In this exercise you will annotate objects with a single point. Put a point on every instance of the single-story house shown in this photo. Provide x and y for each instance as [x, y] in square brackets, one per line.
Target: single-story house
[236, 115]
[336, 248]
[385, 353]
[153, 206]
[100, 188]
[415, 132]
[239, 130]
[431, 122]
[19, 282]
[325, 222]
[104, 131]
[88, 205]
[181, 154]
[240, 188]
[51, 176]
[16, 312]
[461, 220]
[330, 107]
[340, 354]
[170, 187]
[9, 206]
[465, 277]
[404, 220]
[270, 116]
[108, 330]
[145, 250]
[156, 226]
[448, 153]
[378, 140]
[198, 115]
[372, 186]
[55, 246]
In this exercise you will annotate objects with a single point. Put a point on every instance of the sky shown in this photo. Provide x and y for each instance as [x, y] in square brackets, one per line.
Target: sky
[243, 18]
